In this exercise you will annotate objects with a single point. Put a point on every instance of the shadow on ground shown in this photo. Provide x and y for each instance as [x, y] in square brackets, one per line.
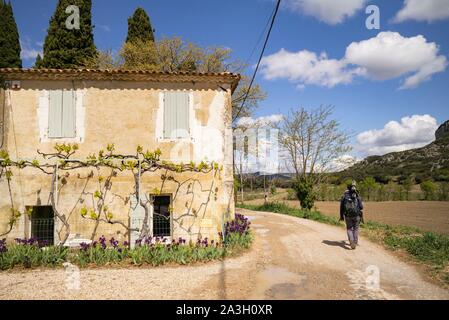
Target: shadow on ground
[341, 244]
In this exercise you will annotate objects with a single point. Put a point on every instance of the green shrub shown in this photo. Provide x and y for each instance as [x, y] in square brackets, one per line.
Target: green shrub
[305, 194]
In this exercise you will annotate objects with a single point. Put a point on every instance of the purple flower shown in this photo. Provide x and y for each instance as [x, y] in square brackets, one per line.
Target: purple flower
[3, 247]
[125, 243]
[113, 242]
[84, 246]
[102, 241]
[239, 225]
[43, 243]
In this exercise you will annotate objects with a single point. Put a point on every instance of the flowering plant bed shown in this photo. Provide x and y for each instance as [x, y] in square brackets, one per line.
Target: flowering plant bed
[31, 253]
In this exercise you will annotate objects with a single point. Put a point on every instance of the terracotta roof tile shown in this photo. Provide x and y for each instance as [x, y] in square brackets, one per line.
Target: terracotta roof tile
[125, 75]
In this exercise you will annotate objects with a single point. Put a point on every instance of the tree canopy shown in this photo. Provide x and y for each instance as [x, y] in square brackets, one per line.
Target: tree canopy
[9, 38]
[69, 47]
[176, 55]
[139, 27]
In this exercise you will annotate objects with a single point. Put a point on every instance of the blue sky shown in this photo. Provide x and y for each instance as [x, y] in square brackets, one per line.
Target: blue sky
[365, 101]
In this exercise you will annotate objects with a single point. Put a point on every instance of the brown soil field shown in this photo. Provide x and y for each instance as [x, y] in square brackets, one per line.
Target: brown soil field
[426, 215]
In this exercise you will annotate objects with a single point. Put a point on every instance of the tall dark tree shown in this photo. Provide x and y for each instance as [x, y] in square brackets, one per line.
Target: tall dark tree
[139, 27]
[9, 38]
[38, 63]
[66, 47]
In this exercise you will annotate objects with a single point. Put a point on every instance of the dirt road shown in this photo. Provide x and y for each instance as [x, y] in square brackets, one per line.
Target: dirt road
[291, 259]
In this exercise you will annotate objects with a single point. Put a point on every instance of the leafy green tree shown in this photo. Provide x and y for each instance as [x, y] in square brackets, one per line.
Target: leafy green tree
[392, 191]
[69, 47]
[38, 63]
[443, 192]
[428, 188]
[369, 187]
[9, 38]
[305, 194]
[381, 192]
[139, 27]
[407, 184]
[177, 55]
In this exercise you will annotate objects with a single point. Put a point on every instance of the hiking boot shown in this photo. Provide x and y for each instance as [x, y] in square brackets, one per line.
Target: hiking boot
[353, 245]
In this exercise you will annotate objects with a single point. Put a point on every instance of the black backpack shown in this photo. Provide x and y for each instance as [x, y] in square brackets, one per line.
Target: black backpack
[351, 207]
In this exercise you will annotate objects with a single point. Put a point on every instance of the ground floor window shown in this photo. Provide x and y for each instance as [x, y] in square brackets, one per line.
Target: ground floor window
[43, 224]
[162, 216]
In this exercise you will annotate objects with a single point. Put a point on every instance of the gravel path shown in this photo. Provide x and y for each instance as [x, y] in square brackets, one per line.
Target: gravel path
[291, 259]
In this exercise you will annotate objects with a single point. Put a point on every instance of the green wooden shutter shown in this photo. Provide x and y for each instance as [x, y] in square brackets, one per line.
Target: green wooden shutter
[176, 115]
[68, 114]
[169, 115]
[55, 114]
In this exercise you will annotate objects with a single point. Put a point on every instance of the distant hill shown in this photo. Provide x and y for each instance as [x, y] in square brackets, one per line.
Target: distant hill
[429, 162]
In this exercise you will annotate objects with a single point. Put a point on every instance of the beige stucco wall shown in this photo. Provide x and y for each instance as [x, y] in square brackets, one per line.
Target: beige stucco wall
[127, 114]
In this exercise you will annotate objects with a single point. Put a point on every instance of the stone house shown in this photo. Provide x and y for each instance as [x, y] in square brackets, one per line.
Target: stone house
[187, 116]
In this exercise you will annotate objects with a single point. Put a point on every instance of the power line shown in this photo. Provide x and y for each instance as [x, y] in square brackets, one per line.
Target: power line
[260, 37]
[260, 59]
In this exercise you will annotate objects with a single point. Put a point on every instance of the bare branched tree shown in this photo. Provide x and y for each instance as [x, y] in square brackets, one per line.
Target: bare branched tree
[312, 141]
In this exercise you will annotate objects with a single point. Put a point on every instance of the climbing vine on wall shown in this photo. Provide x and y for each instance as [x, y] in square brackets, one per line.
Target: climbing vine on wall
[62, 161]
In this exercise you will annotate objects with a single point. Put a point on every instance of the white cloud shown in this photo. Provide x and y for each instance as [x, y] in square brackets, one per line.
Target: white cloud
[28, 51]
[249, 122]
[423, 10]
[305, 67]
[329, 11]
[386, 56]
[390, 55]
[342, 163]
[104, 27]
[411, 132]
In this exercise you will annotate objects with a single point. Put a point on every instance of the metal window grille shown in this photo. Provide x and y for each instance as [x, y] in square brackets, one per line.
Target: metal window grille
[42, 229]
[43, 224]
[162, 217]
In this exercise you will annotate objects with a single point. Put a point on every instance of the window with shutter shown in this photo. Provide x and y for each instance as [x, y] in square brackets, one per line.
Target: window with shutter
[61, 120]
[176, 115]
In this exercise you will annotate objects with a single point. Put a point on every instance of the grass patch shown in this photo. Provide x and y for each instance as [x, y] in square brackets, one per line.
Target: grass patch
[428, 248]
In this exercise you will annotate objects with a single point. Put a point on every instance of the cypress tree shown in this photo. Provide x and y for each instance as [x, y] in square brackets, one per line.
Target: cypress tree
[66, 48]
[38, 63]
[139, 27]
[9, 38]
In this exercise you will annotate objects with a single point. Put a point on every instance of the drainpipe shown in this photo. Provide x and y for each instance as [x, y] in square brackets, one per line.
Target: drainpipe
[56, 185]
[3, 118]
[138, 182]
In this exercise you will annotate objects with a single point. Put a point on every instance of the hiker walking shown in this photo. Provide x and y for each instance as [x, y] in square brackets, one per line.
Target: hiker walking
[351, 210]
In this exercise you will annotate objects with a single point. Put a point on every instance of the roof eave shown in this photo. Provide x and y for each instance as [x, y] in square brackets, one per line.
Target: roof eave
[120, 75]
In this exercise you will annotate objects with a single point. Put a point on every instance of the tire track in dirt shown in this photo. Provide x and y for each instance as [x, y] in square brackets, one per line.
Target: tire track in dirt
[309, 260]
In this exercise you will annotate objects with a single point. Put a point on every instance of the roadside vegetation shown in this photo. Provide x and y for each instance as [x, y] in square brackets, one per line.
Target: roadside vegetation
[30, 253]
[370, 189]
[427, 248]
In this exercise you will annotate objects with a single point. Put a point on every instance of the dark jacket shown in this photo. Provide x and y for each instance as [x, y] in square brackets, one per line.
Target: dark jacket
[345, 197]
